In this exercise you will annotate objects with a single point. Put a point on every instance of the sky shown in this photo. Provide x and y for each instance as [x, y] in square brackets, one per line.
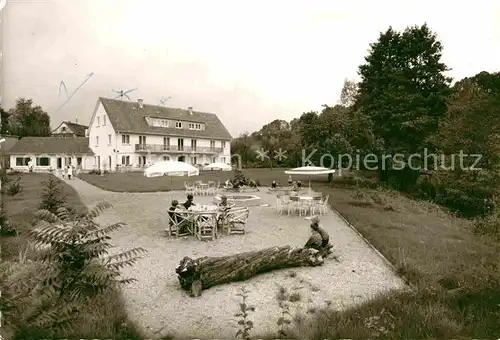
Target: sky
[250, 62]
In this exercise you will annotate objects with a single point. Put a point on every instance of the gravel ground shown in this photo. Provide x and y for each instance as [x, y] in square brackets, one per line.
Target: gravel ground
[158, 305]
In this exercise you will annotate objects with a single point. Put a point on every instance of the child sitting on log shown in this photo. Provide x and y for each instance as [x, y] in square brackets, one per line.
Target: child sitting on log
[319, 238]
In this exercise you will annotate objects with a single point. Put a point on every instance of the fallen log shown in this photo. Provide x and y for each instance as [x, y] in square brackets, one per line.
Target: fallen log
[205, 272]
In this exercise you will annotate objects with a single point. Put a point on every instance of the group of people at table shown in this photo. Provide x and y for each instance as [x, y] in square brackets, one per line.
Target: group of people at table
[179, 212]
[318, 240]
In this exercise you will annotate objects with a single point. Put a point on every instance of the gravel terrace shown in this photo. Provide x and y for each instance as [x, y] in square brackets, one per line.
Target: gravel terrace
[158, 305]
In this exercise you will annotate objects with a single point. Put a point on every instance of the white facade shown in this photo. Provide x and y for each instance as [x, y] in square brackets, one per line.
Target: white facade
[134, 151]
[45, 163]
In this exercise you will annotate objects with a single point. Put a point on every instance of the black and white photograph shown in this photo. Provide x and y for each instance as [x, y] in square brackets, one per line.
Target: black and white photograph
[216, 169]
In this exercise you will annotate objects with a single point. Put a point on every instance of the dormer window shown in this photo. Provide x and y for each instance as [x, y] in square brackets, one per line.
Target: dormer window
[157, 122]
[195, 126]
[63, 129]
[178, 125]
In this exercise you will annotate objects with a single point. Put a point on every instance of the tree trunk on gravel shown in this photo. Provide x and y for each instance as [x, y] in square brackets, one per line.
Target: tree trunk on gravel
[205, 272]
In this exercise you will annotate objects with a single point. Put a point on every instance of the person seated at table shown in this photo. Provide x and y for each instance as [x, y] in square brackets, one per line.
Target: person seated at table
[189, 202]
[299, 185]
[223, 202]
[274, 185]
[176, 216]
[319, 237]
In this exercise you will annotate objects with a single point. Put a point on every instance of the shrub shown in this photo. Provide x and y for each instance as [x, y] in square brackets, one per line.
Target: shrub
[72, 270]
[6, 227]
[95, 172]
[52, 197]
[14, 188]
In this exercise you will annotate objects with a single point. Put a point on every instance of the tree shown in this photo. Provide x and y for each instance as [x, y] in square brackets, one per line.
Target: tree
[348, 93]
[243, 147]
[403, 90]
[4, 124]
[28, 120]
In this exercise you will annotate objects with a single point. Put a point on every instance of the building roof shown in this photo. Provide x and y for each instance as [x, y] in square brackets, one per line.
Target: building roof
[78, 129]
[51, 145]
[127, 116]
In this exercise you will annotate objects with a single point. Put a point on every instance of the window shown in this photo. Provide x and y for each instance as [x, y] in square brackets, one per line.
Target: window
[79, 160]
[166, 143]
[97, 141]
[212, 144]
[103, 120]
[178, 125]
[98, 121]
[180, 144]
[166, 158]
[43, 161]
[142, 140]
[193, 144]
[195, 126]
[109, 139]
[223, 160]
[22, 161]
[157, 122]
[125, 139]
[125, 160]
[63, 129]
[223, 144]
[214, 159]
[193, 160]
[142, 160]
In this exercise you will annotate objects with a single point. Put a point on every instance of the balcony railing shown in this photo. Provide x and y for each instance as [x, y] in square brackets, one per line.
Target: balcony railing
[175, 148]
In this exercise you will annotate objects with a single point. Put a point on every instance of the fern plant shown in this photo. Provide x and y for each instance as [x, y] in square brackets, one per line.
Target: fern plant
[73, 266]
[78, 248]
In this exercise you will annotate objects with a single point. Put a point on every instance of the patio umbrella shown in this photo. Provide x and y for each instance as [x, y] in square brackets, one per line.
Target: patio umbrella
[218, 166]
[171, 168]
[310, 171]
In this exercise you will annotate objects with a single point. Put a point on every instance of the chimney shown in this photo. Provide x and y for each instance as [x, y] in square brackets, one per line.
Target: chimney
[190, 110]
[76, 120]
[140, 102]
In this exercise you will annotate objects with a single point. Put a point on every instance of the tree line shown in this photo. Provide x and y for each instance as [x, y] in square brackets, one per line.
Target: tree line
[25, 119]
[403, 104]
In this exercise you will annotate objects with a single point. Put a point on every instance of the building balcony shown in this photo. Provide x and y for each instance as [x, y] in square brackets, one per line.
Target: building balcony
[160, 148]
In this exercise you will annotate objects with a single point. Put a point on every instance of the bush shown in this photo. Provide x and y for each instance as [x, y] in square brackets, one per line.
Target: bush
[6, 227]
[52, 197]
[95, 172]
[14, 188]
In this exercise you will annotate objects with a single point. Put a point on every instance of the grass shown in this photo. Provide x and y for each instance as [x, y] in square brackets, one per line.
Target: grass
[136, 182]
[103, 317]
[22, 207]
[455, 274]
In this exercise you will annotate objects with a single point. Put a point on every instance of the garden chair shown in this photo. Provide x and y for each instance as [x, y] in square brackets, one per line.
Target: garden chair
[207, 226]
[305, 207]
[175, 226]
[316, 207]
[282, 204]
[324, 205]
[294, 205]
[236, 220]
[189, 188]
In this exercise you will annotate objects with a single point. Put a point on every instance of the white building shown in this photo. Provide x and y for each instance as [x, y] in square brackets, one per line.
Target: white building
[47, 153]
[70, 129]
[129, 135]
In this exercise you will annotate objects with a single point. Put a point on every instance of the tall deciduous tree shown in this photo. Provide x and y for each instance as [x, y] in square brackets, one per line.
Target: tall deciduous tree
[4, 121]
[25, 119]
[404, 90]
[348, 93]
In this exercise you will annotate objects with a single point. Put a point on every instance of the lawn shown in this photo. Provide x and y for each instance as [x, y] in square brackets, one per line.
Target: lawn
[105, 316]
[455, 274]
[136, 182]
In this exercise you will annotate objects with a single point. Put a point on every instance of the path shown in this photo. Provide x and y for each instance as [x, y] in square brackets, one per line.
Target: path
[158, 305]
